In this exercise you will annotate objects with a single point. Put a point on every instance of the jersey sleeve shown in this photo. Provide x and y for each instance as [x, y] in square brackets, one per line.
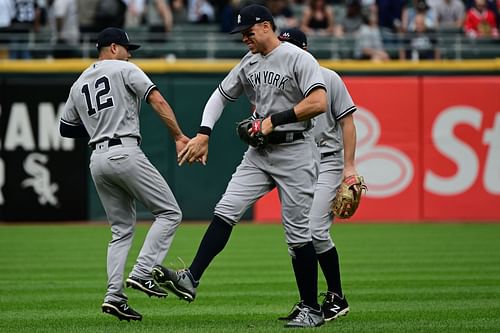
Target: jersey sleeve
[70, 115]
[232, 87]
[342, 103]
[308, 73]
[138, 81]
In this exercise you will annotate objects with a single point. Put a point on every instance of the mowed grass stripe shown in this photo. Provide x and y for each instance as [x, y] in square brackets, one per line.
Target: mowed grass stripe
[398, 278]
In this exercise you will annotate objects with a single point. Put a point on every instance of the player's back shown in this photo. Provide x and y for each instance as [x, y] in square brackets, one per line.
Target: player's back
[105, 101]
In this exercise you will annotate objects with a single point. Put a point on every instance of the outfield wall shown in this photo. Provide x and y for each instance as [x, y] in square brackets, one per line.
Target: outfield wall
[428, 147]
[428, 141]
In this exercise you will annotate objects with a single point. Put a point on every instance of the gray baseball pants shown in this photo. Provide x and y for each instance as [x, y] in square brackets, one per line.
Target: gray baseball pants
[292, 168]
[330, 176]
[123, 174]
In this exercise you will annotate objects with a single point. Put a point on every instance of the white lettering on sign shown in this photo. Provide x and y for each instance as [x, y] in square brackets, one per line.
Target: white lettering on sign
[459, 152]
[48, 129]
[491, 178]
[19, 132]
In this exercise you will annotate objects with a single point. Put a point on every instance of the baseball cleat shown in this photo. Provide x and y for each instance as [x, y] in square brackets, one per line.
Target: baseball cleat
[293, 312]
[121, 310]
[307, 317]
[334, 306]
[146, 286]
[179, 282]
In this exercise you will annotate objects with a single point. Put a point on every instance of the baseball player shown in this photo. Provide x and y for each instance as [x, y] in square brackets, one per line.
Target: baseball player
[335, 135]
[104, 104]
[286, 86]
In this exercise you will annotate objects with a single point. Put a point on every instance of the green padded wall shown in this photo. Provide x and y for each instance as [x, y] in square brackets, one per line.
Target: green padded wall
[197, 188]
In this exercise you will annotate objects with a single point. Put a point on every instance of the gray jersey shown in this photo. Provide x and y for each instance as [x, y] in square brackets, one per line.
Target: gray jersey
[106, 98]
[327, 131]
[275, 82]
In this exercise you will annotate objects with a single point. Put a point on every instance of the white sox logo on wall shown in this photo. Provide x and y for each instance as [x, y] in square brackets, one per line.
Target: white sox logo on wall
[34, 165]
[372, 158]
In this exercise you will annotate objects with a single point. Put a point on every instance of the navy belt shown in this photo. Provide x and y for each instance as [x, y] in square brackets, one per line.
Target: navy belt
[111, 142]
[330, 153]
[276, 138]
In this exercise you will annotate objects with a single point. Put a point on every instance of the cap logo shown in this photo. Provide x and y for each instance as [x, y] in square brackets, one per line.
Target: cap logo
[257, 18]
[239, 18]
[286, 35]
[126, 35]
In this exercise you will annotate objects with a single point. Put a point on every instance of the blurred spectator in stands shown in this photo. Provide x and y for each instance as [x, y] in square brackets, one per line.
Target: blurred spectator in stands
[7, 13]
[493, 5]
[135, 16]
[26, 20]
[159, 19]
[421, 43]
[110, 13]
[318, 18]
[227, 13]
[369, 45]
[418, 7]
[480, 21]
[389, 15]
[283, 15]
[450, 14]
[63, 16]
[200, 11]
[86, 16]
[352, 20]
[179, 11]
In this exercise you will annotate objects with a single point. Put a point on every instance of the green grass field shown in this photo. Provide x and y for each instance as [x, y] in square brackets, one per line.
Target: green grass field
[397, 278]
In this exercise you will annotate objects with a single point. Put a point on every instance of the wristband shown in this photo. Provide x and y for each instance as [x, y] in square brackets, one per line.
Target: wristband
[284, 117]
[205, 130]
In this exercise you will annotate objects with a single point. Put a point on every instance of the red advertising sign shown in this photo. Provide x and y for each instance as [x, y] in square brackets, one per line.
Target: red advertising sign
[429, 149]
[461, 148]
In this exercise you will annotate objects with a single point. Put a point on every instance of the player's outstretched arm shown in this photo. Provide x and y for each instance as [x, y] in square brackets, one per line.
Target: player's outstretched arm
[349, 138]
[161, 106]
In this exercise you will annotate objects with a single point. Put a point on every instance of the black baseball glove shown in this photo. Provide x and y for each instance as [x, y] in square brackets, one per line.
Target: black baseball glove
[250, 131]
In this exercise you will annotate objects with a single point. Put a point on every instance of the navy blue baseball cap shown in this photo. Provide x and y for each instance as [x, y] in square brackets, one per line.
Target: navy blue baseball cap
[250, 15]
[117, 36]
[294, 36]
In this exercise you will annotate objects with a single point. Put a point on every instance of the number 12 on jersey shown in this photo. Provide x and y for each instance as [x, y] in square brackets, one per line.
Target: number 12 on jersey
[102, 101]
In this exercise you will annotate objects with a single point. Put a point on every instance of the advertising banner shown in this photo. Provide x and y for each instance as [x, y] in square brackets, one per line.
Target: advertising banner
[461, 150]
[428, 147]
[42, 176]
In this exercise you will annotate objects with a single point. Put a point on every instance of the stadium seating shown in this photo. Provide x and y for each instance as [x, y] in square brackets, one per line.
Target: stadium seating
[206, 41]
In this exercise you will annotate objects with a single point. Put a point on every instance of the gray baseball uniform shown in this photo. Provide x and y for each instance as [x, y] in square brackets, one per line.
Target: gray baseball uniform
[274, 83]
[106, 98]
[328, 136]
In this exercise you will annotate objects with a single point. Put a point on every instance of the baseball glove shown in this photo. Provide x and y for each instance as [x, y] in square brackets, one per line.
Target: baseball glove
[348, 196]
[250, 131]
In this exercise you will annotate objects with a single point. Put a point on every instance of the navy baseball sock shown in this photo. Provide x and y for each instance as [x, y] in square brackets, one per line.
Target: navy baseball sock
[214, 240]
[329, 262]
[305, 267]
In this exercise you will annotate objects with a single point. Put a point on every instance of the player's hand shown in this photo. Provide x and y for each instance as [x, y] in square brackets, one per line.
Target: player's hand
[195, 150]
[267, 126]
[180, 143]
[349, 171]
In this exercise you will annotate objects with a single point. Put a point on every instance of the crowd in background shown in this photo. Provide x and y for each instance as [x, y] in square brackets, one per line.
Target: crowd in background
[373, 24]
